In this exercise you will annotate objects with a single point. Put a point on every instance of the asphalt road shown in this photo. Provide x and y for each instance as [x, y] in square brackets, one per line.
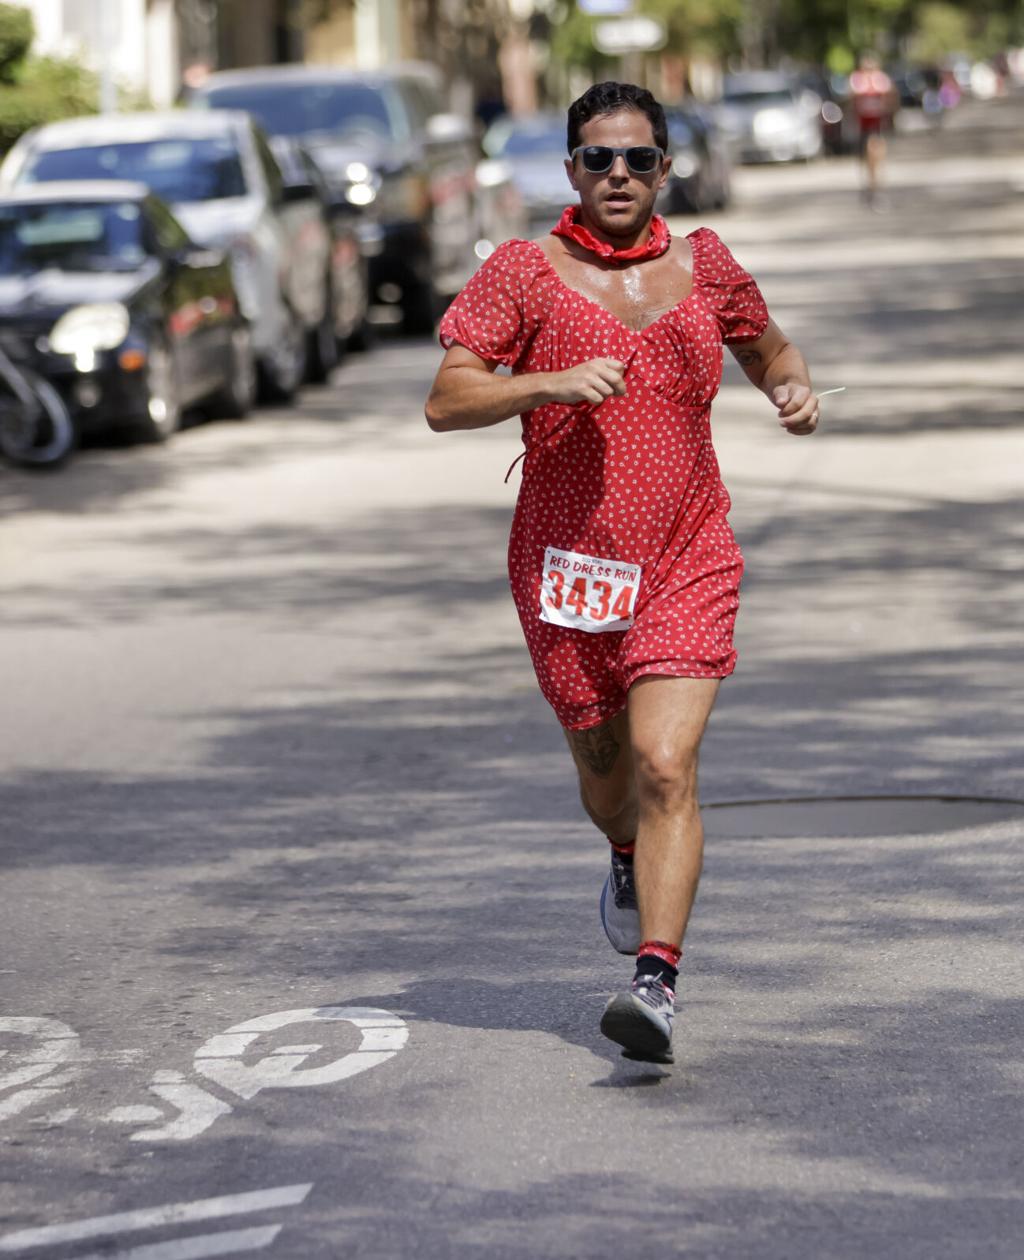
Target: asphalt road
[271, 744]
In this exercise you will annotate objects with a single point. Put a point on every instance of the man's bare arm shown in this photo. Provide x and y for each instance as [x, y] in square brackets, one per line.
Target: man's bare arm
[778, 369]
[466, 394]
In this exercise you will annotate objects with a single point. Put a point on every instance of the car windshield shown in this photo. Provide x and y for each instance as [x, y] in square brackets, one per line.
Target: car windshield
[780, 96]
[530, 141]
[203, 169]
[78, 236]
[336, 110]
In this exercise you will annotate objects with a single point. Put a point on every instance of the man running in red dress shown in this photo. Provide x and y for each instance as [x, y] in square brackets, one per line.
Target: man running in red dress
[623, 566]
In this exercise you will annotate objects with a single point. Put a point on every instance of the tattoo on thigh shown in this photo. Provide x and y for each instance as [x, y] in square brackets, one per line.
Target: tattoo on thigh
[597, 748]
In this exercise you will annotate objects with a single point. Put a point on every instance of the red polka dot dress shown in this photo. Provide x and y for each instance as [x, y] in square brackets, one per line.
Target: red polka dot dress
[633, 482]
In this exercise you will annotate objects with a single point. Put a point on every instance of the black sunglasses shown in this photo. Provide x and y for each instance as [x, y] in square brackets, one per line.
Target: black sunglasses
[641, 159]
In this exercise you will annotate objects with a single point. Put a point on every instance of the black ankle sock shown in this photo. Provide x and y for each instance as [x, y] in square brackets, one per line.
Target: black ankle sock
[652, 965]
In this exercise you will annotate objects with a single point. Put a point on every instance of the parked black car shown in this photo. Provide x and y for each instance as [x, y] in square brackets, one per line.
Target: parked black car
[103, 293]
[383, 139]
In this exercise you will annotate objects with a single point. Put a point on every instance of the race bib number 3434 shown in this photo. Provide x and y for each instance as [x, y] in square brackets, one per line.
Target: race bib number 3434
[586, 592]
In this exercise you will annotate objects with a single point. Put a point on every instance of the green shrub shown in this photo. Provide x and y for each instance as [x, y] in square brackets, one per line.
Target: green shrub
[47, 89]
[17, 32]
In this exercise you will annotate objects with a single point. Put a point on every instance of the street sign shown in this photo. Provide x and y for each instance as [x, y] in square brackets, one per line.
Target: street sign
[629, 35]
[604, 8]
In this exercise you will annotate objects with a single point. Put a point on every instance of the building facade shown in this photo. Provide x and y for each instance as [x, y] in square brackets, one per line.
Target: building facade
[147, 49]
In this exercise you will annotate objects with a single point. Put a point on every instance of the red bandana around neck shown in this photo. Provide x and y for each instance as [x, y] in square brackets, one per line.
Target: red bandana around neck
[656, 244]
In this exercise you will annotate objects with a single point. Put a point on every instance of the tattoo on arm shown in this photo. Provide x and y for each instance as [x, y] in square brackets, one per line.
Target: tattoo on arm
[747, 358]
[597, 748]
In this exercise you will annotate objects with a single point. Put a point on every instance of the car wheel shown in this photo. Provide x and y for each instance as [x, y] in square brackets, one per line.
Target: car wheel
[235, 400]
[162, 395]
[323, 351]
[283, 367]
[419, 308]
[363, 336]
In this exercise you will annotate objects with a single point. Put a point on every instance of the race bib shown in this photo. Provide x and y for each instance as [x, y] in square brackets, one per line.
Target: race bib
[586, 592]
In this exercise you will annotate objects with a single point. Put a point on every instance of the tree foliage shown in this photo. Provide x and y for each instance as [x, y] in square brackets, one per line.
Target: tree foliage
[35, 90]
[819, 32]
[17, 30]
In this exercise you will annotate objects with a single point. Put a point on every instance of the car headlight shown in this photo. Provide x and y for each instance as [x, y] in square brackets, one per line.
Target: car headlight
[360, 194]
[85, 330]
[684, 165]
[772, 123]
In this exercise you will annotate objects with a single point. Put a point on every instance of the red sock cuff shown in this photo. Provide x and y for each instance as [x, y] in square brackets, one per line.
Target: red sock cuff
[623, 850]
[660, 949]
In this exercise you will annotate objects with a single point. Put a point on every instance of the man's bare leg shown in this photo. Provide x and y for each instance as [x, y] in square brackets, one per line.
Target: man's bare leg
[666, 721]
[638, 782]
[604, 762]
[667, 718]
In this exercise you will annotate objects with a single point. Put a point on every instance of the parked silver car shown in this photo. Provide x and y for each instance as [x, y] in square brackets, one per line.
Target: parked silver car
[532, 148]
[769, 119]
[217, 172]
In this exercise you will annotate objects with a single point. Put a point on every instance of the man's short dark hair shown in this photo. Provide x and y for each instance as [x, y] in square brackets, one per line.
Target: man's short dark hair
[609, 98]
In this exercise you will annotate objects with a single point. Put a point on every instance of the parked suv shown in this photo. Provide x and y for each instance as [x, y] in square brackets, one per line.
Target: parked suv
[218, 174]
[382, 139]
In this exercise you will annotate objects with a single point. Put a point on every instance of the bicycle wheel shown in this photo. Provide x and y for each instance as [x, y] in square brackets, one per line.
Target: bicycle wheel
[45, 442]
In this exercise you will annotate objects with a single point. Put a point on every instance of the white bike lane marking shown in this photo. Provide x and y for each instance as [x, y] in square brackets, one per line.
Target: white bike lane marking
[56, 1045]
[219, 1060]
[168, 1214]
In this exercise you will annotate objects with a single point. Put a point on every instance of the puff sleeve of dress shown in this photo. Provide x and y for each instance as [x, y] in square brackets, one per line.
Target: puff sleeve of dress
[494, 316]
[732, 292]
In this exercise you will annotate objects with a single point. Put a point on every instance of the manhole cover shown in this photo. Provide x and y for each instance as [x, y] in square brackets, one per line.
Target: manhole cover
[856, 816]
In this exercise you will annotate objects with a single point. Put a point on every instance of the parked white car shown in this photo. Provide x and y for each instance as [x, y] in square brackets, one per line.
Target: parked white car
[767, 118]
[216, 170]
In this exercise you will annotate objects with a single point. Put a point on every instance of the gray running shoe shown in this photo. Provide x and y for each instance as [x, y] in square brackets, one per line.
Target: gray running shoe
[641, 1020]
[620, 917]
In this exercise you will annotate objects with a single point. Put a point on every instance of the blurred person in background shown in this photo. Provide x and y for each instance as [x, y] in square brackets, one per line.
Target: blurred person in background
[623, 566]
[193, 78]
[872, 94]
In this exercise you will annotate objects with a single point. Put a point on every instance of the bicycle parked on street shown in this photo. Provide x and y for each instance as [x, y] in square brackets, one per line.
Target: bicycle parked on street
[36, 429]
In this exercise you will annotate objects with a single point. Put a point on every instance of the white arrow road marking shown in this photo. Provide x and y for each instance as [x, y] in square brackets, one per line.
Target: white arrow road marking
[197, 1109]
[222, 1244]
[384, 1034]
[140, 1114]
[152, 1218]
